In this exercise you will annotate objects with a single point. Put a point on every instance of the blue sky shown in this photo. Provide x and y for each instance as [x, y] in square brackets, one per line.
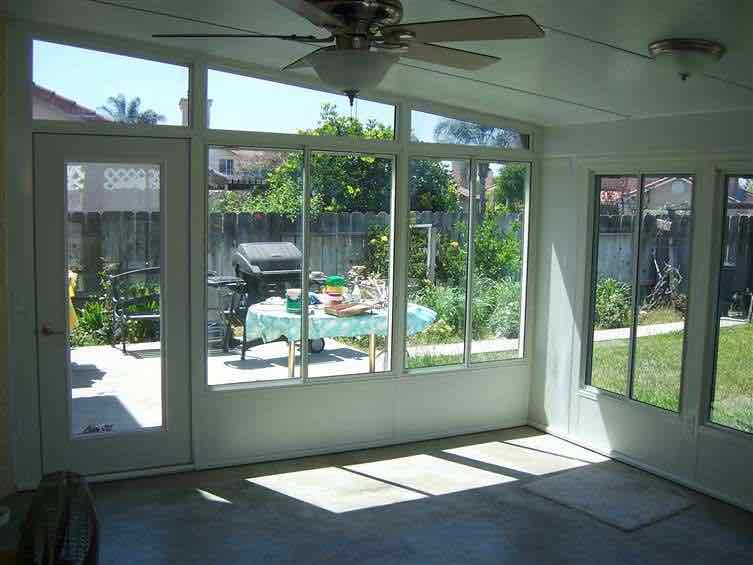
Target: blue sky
[241, 103]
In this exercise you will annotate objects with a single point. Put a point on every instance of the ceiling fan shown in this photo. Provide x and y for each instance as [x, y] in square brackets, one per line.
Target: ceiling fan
[366, 38]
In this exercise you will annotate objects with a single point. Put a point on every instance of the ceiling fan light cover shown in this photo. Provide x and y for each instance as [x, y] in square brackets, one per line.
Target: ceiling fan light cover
[351, 69]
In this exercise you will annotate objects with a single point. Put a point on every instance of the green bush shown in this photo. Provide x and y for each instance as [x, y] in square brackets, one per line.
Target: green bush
[614, 302]
[497, 252]
[438, 332]
[496, 308]
[95, 326]
[451, 260]
[447, 301]
[378, 251]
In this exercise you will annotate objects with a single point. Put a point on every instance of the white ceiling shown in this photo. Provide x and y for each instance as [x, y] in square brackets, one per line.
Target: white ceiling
[592, 66]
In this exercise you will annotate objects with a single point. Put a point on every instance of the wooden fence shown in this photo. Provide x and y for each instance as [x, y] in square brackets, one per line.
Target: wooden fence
[131, 240]
[665, 239]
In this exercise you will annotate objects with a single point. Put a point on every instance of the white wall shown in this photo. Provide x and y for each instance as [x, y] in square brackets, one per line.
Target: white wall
[670, 445]
[717, 132]
[273, 423]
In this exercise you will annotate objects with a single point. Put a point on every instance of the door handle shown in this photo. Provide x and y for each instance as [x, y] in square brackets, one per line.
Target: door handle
[45, 330]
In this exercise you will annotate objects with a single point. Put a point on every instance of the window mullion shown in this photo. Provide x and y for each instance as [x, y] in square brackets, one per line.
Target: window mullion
[473, 185]
[305, 261]
[400, 242]
[636, 280]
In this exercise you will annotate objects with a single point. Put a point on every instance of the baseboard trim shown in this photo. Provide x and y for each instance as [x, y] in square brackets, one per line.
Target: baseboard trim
[291, 454]
[356, 446]
[628, 460]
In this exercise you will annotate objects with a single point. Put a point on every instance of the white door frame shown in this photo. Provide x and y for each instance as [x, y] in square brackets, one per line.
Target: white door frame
[684, 447]
[118, 451]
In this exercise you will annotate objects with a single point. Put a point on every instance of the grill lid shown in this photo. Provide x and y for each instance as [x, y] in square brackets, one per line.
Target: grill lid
[272, 256]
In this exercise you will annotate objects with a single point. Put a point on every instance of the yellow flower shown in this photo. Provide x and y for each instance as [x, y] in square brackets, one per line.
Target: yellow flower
[454, 244]
[384, 238]
[373, 241]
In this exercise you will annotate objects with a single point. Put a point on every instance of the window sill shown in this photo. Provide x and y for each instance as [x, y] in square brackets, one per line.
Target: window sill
[407, 376]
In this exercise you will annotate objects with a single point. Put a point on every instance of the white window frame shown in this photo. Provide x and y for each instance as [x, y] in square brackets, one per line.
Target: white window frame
[723, 173]
[640, 173]
[19, 150]
[223, 166]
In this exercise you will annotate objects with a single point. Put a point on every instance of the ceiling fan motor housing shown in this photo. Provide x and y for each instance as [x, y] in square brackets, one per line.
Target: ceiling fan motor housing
[363, 12]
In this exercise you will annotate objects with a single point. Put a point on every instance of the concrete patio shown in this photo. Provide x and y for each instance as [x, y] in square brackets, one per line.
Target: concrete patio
[117, 392]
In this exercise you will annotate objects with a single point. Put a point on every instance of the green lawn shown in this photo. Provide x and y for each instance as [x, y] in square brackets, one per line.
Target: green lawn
[658, 367]
[422, 361]
[659, 316]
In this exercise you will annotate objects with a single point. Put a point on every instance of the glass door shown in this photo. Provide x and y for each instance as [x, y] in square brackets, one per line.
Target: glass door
[111, 262]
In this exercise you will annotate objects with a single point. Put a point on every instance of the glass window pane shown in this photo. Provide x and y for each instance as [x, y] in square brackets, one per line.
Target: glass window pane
[663, 274]
[126, 89]
[437, 262]
[732, 398]
[244, 103]
[114, 244]
[254, 255]
[498, 260]
[613, 281]
[430, 128]
[350, 266]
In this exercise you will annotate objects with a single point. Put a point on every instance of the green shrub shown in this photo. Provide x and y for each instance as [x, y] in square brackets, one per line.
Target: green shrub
[497, 252]
[448, 302]
[451, 260]
[378, 252]
[95, 326]
[438, 332]
[614, 302]
[496, 308]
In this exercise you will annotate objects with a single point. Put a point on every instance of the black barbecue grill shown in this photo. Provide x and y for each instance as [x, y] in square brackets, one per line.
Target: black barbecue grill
[269, 269]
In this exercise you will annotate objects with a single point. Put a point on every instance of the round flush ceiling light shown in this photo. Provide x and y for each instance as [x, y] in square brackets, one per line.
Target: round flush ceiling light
[687, 56]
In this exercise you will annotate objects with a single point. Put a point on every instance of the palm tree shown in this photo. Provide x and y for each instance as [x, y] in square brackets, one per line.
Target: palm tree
[126, 112]
[469, 133]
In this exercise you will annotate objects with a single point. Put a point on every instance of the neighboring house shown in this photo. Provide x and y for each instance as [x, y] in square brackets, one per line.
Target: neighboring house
[619, 194]
[95, 187]
[240, 168]
[740, 195]
[48, 105]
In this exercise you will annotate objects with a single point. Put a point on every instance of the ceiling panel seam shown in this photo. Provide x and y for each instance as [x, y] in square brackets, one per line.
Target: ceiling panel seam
[518, 90]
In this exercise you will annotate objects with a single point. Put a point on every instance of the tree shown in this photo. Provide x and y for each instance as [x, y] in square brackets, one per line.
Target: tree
[349, 182]
[126, 112]
[432, 187]
[469, 133]
[510, 186]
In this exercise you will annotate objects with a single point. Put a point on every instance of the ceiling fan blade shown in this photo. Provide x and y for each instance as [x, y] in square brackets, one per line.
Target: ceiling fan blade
[302, 62]
[312, 13]
[475, 29]
[448, 56]
[302, 38]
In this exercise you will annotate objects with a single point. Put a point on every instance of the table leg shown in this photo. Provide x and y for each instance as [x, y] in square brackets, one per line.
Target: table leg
[291, 359]
[372, 353]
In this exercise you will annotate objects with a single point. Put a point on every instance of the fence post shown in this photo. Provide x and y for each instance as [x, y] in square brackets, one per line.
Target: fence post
[431, 253]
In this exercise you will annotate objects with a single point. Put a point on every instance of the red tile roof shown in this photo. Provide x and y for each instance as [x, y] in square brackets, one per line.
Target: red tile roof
[67, 105]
